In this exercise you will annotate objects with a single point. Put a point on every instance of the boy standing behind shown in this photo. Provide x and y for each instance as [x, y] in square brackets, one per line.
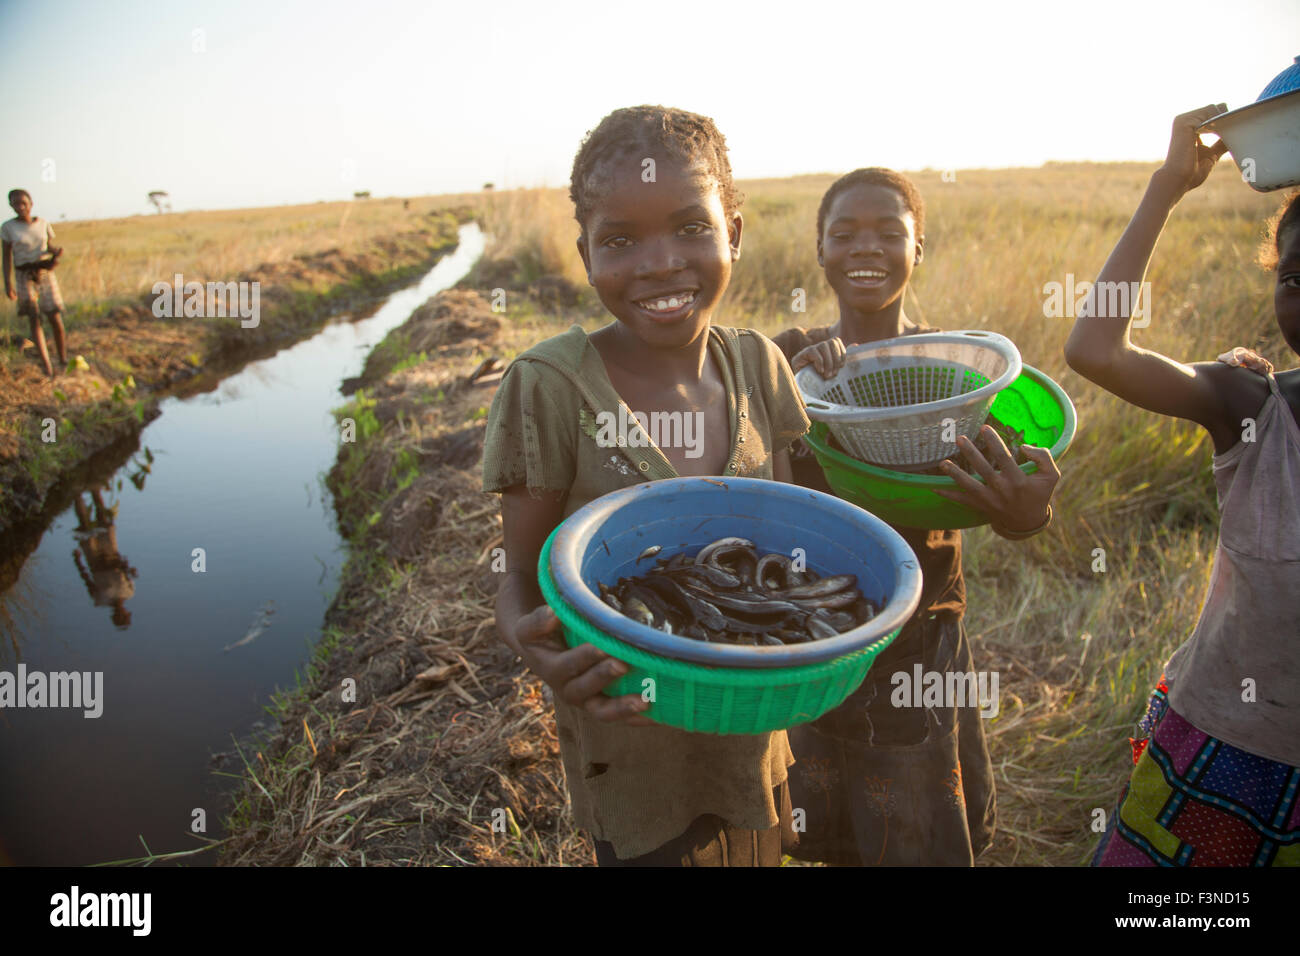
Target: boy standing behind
[26, 242]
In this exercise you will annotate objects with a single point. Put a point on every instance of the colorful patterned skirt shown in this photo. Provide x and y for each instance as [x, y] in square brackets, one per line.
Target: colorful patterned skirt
[1194, 800]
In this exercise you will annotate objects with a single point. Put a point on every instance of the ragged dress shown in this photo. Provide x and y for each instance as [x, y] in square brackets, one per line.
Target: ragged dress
[651, 795]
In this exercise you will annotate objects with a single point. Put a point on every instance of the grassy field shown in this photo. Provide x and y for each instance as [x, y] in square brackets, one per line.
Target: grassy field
[1077, 650]
[109, 261]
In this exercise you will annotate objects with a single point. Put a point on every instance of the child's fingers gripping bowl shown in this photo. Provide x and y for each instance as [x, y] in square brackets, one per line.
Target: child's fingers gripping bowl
[576, 675]
[586, 691]
[628, 709]
[537, 629]
[591, 680]
[832, 354]
[542, 646]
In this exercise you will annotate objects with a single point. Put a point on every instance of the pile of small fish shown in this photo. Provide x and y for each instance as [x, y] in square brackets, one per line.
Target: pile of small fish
[730, 594]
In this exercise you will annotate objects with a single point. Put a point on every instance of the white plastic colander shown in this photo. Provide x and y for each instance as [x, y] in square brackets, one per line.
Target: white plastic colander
[896, 401]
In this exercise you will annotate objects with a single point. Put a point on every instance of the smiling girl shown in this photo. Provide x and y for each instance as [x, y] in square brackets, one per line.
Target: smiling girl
[884, 784]
[659, 228]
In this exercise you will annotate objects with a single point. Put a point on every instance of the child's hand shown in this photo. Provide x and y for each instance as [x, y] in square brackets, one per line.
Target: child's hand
[826, 357]
[576, 675]
[1189, 160]
[1013, 500]
[11, 293]
[1245, 358]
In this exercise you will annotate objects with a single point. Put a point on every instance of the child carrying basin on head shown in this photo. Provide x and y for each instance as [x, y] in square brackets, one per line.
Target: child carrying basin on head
[1215, 778]
[659, 227]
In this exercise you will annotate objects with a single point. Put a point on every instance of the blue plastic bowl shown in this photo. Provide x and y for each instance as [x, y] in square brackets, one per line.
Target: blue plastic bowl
[600, 543]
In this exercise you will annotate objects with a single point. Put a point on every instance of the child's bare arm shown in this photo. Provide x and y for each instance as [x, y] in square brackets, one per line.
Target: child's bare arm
[531, 629]
[1099, 347]
[781, 470]
[8, 268]
[54, 250]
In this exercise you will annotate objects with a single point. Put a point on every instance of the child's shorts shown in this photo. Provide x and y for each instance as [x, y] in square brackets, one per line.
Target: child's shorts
[1194, 800]
[37, 289]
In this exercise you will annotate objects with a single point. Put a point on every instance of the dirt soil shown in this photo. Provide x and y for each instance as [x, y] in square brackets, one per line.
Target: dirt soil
[99, 405]
[448, 753]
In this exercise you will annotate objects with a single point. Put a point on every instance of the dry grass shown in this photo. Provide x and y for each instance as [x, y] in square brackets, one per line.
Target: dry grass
[108, 261]
[532, 234]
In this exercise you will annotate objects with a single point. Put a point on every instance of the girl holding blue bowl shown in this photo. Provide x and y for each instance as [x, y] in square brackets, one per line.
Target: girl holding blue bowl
[660, 226]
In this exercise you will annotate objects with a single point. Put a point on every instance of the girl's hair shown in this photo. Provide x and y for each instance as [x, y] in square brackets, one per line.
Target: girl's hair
[875, 176]
[19, 192]
[1286, 217]
[635, 131]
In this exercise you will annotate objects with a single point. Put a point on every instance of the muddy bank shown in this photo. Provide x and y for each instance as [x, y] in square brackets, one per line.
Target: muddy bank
[417, 738]
[133, 359]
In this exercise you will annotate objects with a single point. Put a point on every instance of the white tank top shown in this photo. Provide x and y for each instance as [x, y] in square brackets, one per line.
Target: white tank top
[1247, 642]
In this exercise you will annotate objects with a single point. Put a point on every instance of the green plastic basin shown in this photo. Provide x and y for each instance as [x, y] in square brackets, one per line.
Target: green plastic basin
[1033, 404]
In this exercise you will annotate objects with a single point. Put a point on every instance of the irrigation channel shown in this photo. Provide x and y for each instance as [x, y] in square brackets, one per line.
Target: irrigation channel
[189, 659]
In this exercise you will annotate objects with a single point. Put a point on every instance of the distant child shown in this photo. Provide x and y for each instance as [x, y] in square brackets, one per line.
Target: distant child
[880, 784]
[1215, 781]
[26, 244]
[659, 229]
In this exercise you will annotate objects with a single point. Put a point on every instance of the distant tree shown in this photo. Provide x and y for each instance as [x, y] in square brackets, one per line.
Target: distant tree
[361, 194]
[488, 186]
[156, 197]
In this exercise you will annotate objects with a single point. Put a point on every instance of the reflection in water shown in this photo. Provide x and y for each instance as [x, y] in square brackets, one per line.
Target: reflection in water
[106, 574]
[24, 595]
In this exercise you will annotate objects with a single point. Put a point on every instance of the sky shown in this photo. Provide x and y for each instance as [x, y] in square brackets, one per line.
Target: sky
[259, 102]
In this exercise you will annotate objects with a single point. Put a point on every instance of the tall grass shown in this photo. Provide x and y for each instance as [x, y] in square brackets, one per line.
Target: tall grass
[533, 232]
